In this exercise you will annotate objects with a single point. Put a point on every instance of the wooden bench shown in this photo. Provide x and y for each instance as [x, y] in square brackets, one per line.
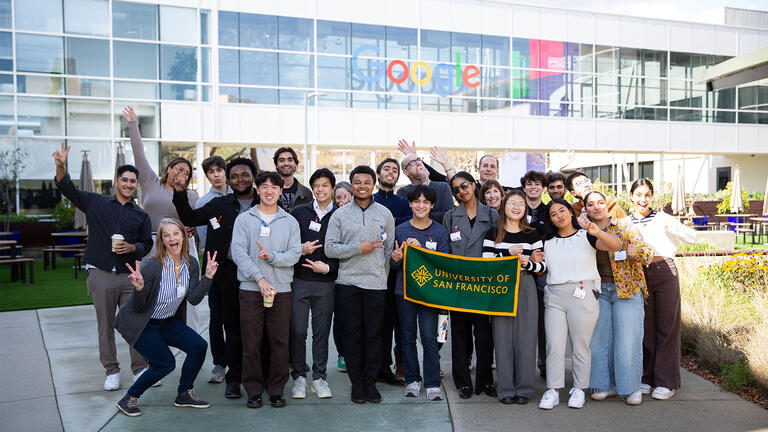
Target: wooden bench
[49, 253]
[78, 263]
[20, 263]
[744, 232]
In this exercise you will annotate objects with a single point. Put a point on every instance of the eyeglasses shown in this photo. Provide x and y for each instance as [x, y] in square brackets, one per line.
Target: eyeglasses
[515, 204]
[461, 187]
[581, 183]
[415, 161]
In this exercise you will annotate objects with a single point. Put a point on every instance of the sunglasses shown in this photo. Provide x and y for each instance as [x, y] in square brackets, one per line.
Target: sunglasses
[461, 187]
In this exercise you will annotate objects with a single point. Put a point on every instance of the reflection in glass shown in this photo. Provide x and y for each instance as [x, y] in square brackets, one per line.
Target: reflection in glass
[468, 45]
[178, 24]
[40, 116]
[182, 92]
[6, 117]
[579, 57]
[335, 99]
[87, 56]
[723, 99]
[135, 60]
[402, 102]
[258, 96]
[369, 100]
[374, 71]
[333, 73]
[493, 104]
[464, 105]
[137, 90]
[495, 50]
[134, 20]
[402, 43]
[436, 46]
[228, 28]
[5, 14]
[654, 63]
[147, 114]
[334, 37]
[258, 68]
[205, 93]
[524, 85]
[432, 103]
[229, 94]
[87, 87]
[90, 17]
[495, 82]
[367, 34]
[630, 61]
[178, 63]
[6, 52]
[39, 15]
[295, 34]
[205, 64]
[291, 97]
[686, 94]
[40, 84]
[606, 59]
[88, 118]
[686, 115]
[229, 66]
[655, 91]
[295, 70]
[36, 53]
[258, 31]
[205, 18]
[6, 83]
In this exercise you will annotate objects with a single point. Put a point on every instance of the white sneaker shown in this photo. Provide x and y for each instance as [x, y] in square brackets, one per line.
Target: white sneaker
[112, 382]
[299, 390]
[636, 398]
[662, 393]
[217, 374]
[645, 388]
[412, 390]
[550, 399]
[577, 398]
[136, 377]
[603, 394]
[434, 394]
[321, 389]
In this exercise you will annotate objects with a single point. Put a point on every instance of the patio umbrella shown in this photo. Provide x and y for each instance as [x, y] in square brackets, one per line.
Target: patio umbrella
[736, 204]
[678, 195]
[119, 160]
[86, 184]
[765, 200]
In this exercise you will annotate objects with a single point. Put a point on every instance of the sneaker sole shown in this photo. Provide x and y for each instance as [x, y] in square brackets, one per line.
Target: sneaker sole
[299, 396]
[215, 380]
[435, 398]
[665, 397]
[127, 413]
[191, 406]
[111, 389]
[575, 407]
[323, 396]
[601, 398]
[634, 403]
[546, 408]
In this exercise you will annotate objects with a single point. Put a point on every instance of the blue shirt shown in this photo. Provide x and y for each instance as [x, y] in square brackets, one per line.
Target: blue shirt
[397, 205]
[202, 231]
[434, 233]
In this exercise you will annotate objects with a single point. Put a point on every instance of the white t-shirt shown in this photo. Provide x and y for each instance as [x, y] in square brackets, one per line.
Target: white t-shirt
[571, 259]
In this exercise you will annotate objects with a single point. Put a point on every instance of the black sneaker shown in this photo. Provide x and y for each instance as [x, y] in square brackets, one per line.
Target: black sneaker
[189, 399]
[254, 402]
[372, 393]
[358, 393]
[277, 401]
[232, 391]
[129, 406]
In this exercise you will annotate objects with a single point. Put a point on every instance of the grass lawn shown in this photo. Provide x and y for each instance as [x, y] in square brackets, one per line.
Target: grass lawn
[52, 288]
[748, 245]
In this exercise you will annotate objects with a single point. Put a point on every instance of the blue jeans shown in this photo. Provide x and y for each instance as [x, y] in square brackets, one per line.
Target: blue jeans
[617, 342]
[409, 313]
[154, 344]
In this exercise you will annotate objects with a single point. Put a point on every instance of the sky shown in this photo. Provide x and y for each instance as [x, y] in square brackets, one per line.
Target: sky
[703, 11]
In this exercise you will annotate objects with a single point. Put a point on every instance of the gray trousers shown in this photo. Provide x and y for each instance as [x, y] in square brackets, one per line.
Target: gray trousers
[568, 317]
[514, 340]
[317, 297]
[109, 291]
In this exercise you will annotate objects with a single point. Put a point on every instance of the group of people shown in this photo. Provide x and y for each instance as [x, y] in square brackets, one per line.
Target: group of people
[276, 253]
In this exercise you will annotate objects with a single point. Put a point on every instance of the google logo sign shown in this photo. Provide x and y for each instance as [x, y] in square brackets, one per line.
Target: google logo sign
[419, 72]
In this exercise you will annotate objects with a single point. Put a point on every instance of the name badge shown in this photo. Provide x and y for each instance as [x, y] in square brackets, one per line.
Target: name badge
[579, 292]
[620, 255]
[530, 218]
[214, 223]
[314, 226]
[180, 291]
[456, 236]
[383, 236]
[431, 245]
[265, 230]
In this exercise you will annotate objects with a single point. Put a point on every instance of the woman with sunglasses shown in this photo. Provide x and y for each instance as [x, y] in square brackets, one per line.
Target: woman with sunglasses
[570, 299]
[467, 225]
[515, 337]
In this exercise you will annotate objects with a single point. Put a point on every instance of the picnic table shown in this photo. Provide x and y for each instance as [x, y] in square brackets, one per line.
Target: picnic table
[759, 224]
[49, 253]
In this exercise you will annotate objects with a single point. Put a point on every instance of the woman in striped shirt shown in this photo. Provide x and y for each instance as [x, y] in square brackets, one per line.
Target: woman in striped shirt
[661, 341]
[152, 319]
[515, 337]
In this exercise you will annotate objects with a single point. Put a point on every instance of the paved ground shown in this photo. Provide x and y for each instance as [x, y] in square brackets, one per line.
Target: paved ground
[51, 380]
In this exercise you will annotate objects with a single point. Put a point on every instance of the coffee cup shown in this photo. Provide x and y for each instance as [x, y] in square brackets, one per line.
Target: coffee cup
[269, 299]
[116, 238]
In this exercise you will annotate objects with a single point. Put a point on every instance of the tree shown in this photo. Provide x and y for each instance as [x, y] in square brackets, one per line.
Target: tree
[12, 164]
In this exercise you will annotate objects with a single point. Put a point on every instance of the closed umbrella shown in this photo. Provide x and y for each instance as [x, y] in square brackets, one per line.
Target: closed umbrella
[119, 160]
[678, 195]
[737, 204]
[765, 200]
[86, 184]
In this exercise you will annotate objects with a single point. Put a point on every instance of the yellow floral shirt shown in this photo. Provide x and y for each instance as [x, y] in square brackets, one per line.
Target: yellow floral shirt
[628, 274]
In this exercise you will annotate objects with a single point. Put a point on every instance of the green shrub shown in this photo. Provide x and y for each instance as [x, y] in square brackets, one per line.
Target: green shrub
[735, 375]
[697, 247]
[725, 205]
[64, 214]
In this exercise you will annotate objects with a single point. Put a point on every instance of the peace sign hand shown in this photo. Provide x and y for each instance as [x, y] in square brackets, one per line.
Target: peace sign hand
[263, 253]
[397, 252]
[135, 277]
[212, 265]
[60, 157]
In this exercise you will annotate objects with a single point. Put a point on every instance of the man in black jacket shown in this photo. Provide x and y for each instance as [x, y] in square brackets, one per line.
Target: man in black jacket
[219, 215]
[314, 278]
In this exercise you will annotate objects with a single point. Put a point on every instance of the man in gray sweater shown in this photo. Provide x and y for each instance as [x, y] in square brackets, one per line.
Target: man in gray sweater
[361, 235]
[266, 243]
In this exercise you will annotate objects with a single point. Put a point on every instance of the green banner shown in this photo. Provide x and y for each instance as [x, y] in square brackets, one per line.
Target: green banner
[480, 285]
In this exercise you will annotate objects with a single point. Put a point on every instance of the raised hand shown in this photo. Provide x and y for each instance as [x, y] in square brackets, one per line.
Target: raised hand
[308, 248]
[398, 251]
[406, 148]
[129, 114]
[180, 182]
[439, 155]
[516, 250]
[135, 276]
[263, 253]
[60, 157]
[212, 265]
[316, 266]
[570, 156]
[369, 246]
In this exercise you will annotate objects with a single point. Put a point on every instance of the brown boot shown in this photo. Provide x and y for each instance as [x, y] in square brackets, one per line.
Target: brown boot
[399, 371]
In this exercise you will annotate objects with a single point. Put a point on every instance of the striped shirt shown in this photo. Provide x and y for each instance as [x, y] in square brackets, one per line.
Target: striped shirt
[530, 242]
[663, 233]
[168, 300]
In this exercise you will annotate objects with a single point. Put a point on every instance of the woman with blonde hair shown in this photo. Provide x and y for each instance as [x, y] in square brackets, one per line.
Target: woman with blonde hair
[152, 319]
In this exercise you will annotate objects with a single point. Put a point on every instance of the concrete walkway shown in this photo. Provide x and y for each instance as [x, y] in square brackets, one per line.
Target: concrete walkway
[51, 377]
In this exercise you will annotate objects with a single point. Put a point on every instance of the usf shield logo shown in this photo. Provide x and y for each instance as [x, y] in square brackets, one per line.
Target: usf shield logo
[421, 276]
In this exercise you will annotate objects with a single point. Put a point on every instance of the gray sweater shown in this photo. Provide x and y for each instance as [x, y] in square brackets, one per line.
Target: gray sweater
[283, 244]
[135, 313]
[350, 225]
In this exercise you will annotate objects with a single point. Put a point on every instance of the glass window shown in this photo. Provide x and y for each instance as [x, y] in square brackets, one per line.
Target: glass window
[205, 93]
[6, 115]
[178, 24]
[134, 20]
[6, 83]
[88, 118]
[295, 34]
[258, 31]
[178, 63]
[524, 85]
[334, 37]
[295, 70]
[606, 58]
[39, 15]
[258, 68]
[748, 98]
[229, 94]
[147, 114]
[228, 29]
[495, 50]
[630, 61]
[205, 18]
[333, 72]
[686, 94]
[40, 84]
[258, 96]
[724, 117]
[87, 87]
[205, 64]
[722, 99]
[436, 46]
[6, 52]
[655, 91]
[369, 100]
[335, 99]
[87, 56]
[183, 92]
[525, 52]
[579, 57]
[686, 115]
[229, 66]
[367, 34]
[654, 63]
[374, 73]
[547, 54]
[402, 43]
[36, 53]
[5, 13]
[762, 95]
[41, 116]
[135, 60]
[495, 82]
[291, 97]
[468, 45]
[136, 90]
[90, 17]
[631, 90]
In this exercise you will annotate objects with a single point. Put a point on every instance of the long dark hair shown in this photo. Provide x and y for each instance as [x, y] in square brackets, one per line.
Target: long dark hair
[524, 225]
[175, 161]
[551, 228]
[641, 182]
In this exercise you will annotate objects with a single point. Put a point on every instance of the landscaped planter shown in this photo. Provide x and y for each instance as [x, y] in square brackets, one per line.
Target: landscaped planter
[33, 233]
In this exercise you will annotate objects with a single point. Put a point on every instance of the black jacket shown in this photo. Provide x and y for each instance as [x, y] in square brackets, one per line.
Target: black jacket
[305, 214]
[225, 209]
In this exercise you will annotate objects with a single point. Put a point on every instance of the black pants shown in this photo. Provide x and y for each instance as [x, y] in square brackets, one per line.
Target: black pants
[230, 302]
[391, 324]
[541, 282]
[363, 320]
[216, 326]
[462, 326]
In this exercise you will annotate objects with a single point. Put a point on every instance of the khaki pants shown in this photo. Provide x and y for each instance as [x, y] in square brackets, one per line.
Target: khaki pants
[109, 291]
